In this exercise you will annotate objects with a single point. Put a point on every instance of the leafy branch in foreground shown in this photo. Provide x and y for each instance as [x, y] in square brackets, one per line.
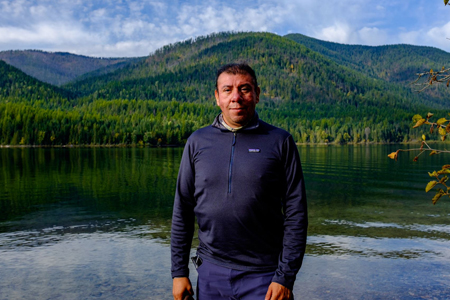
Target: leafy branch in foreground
[443, 127]
[442, 76]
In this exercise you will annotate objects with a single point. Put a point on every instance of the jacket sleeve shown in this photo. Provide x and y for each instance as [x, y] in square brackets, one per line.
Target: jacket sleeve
[183, 218]
[296, 218]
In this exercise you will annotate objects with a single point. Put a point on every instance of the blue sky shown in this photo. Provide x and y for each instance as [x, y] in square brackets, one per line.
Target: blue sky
[136, 28]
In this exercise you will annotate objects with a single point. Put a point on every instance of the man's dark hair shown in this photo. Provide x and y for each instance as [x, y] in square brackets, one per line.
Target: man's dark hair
[237, 68]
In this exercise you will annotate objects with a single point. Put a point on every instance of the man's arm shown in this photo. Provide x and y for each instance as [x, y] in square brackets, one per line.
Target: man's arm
[296, 219]
[183, 217]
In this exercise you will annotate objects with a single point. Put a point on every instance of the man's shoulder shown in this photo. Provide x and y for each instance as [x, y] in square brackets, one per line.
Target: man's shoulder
[273, 130]
[202, 133]
[204, 130]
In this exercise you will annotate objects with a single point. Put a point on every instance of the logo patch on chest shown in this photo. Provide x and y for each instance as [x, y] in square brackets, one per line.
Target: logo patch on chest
[254, 150]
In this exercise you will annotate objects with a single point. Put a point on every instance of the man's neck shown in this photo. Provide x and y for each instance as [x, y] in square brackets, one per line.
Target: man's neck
[232, 129]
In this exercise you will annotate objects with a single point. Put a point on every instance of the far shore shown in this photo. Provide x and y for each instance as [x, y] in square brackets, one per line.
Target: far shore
[174, 146]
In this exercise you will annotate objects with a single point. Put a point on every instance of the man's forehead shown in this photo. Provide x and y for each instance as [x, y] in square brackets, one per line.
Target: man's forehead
[230, 79]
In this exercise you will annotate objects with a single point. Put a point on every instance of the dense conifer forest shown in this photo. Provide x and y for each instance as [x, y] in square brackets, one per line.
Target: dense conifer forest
[320, 92]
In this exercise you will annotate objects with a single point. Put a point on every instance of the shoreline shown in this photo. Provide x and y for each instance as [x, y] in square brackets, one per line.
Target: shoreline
[175, 146]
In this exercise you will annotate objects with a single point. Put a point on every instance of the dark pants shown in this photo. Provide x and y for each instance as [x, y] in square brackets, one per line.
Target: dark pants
[216, 283]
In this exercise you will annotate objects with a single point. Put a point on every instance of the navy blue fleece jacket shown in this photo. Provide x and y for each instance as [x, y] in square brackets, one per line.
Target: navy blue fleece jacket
[247, 191]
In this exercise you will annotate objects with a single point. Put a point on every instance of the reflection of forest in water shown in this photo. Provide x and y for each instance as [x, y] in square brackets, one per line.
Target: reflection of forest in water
[353, 192]
[58, 191]
[95, 223]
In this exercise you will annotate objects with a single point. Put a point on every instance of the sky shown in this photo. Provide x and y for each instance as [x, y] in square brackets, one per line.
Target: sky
[129, 28]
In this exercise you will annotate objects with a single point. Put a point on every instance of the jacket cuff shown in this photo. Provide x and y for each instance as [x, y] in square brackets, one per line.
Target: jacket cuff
[284, 280]
[180, 273]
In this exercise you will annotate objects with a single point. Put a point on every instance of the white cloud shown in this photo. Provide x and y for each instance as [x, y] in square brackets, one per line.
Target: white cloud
[410, 37]
[339, 32]
[135, 28]
[439, 35]
[372, 36]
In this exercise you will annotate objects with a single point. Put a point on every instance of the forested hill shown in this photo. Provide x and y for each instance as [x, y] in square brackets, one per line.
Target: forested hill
[393, 63]
[16, 86]
[287, 72]
[164, 98]
[59, 67]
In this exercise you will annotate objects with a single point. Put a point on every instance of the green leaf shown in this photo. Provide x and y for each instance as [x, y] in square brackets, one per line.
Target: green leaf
[430, 185]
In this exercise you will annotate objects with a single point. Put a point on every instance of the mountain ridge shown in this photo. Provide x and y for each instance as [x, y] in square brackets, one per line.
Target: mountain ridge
[58, 68]
[162, 98]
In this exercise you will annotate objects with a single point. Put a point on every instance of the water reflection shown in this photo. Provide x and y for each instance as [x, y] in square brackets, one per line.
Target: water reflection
[95, 223]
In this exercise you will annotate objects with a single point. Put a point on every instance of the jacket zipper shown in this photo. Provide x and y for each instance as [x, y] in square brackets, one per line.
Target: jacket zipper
[231, 162]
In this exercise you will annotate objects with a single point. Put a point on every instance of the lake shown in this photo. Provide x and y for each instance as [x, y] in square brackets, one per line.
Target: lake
[94, 223]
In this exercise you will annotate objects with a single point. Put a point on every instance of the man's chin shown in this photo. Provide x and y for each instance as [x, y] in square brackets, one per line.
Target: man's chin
[241, 121]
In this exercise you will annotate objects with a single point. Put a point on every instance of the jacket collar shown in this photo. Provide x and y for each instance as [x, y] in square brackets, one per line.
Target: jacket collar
[252, 124]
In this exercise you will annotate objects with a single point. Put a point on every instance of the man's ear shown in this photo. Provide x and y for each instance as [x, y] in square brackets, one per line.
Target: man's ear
[216, 94]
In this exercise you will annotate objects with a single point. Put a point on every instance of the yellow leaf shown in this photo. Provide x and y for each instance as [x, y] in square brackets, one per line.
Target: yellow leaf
[429, 115]
[430, 185]
[441, 121]
[446, 167]
[393, 155]
[434, 174]
[442, 131]
[416, 118]
[419, 123]
[443, 171]
[443, 137]
[431, 71]
[434, 152]
[424, 137]
[438, 195]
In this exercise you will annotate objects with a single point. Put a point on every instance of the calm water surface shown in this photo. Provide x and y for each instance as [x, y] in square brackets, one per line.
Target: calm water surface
[95, 224]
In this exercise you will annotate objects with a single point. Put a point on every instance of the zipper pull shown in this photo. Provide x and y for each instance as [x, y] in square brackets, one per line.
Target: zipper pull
[234, 138]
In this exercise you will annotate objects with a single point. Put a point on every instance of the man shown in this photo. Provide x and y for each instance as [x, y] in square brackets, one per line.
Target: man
[242, 179]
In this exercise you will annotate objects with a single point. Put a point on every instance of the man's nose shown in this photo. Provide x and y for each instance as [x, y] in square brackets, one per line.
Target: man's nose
[235, 96]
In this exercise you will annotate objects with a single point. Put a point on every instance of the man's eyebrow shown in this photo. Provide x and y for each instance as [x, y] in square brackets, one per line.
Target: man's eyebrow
[246, 85]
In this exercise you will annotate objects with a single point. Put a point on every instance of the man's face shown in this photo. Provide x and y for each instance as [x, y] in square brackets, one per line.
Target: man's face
[236, 96]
